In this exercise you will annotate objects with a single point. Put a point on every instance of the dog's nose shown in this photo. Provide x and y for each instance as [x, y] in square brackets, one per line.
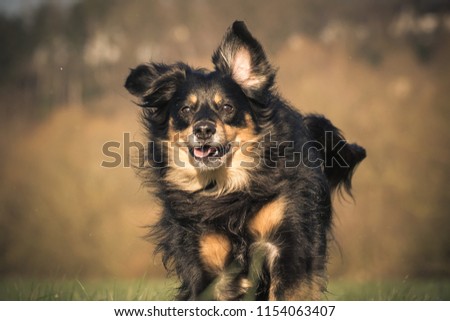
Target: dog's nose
[204, 130]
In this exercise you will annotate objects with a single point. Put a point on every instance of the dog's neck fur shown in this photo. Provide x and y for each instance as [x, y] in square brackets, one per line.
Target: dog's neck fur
[222, 180]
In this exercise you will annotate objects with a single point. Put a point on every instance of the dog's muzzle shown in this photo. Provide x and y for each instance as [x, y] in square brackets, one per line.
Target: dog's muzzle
[204, 130]
[205, 145]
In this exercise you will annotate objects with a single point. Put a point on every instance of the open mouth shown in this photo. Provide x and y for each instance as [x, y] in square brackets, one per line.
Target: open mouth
[208, 151]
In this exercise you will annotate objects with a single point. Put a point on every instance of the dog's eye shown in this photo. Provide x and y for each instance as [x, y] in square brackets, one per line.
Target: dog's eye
[186, 110]
[228, 108]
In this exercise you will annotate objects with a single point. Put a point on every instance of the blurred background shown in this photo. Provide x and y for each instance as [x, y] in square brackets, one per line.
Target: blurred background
[379, 69]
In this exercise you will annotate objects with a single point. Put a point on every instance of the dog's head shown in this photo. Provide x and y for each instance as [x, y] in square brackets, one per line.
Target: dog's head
[206, 116]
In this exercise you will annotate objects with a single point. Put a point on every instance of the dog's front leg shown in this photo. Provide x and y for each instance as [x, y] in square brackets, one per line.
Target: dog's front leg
[229, 282]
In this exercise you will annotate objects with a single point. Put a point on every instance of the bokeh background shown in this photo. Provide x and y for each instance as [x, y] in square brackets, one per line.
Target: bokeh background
[379, 69]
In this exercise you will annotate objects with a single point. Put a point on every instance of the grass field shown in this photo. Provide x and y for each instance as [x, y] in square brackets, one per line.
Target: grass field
[159, 289]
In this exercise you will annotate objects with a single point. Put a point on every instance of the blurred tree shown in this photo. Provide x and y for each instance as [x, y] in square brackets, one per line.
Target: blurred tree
[15, 45]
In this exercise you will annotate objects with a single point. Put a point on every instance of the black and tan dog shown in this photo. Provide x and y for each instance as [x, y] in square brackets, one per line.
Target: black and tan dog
[239, 171]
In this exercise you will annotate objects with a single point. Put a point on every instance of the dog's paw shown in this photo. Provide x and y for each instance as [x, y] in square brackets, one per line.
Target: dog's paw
[228, 289]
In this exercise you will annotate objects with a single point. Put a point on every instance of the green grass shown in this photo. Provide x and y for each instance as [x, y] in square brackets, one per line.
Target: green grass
[98, 290]
[160, 289]
[390, 290]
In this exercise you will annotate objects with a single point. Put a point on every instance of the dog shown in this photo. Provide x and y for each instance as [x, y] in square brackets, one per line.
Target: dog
[242, 176]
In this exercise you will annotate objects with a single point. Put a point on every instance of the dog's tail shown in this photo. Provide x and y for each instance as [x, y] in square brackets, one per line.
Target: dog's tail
[338, 157]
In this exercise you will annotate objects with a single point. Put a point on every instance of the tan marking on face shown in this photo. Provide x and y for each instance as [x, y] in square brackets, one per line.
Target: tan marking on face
[241, 135]
[245, 153]
[268, 219]
[214, 251]
[181, 171]
[218, 98]
[192, 99]
[229, 132]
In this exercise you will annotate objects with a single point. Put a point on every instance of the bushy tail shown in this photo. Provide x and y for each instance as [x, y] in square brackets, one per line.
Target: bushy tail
[340, 158]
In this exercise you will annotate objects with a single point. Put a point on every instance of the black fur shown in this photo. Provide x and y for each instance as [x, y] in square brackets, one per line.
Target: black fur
[239, 96]
[347, 156]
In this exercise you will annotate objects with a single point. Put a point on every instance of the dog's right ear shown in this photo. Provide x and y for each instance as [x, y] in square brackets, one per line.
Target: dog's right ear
[155, 84]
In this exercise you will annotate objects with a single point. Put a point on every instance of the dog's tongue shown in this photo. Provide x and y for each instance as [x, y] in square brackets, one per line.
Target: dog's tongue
[204, 151]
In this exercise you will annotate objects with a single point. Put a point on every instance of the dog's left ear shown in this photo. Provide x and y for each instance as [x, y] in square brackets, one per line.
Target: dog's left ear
[241, 57]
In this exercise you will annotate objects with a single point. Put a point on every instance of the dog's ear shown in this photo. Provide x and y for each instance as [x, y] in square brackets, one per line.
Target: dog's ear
[155, 84]
[241, 57]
